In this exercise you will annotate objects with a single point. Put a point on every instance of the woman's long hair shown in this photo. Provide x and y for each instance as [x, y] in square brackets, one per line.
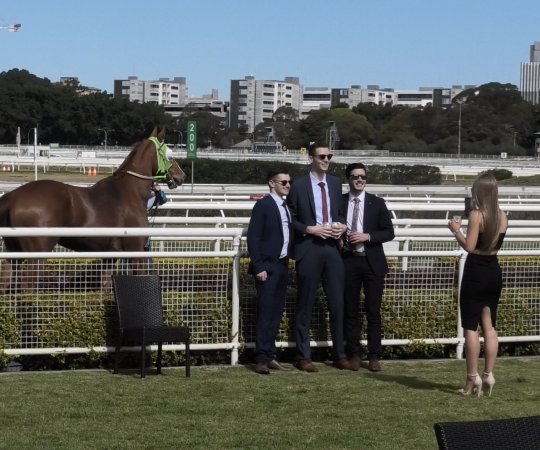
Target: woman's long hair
[485, 198]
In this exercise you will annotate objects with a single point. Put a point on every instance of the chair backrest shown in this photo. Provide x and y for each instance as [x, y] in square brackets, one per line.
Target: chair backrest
[521, 433]
[139, 300]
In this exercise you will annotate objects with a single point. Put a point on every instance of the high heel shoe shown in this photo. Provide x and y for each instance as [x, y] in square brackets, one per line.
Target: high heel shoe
[472, 386]
[488, 381]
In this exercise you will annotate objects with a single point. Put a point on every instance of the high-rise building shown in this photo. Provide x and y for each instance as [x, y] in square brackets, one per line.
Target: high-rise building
[255, 101]
[529, 84]
[162, 91]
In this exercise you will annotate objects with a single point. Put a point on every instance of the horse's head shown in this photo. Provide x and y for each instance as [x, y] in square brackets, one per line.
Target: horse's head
[151, 159]
[168, 170]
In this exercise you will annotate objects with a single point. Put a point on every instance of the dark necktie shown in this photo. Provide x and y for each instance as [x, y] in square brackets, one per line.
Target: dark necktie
[356, 211]
[324, 203]
[284, 204]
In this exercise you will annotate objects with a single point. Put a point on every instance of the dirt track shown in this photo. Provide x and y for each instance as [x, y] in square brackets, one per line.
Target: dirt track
[66, 177]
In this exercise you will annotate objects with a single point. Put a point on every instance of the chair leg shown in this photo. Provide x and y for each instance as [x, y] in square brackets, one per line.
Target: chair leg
[143, 354]
[159, 354]
[117, 354]
[188, 360]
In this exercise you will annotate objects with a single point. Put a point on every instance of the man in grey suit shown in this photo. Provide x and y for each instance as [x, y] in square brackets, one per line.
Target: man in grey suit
[315, 205]
[369, 225]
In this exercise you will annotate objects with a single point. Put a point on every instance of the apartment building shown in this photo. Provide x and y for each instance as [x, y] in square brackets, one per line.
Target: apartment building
[254, 101]
[315, 98]
[163, 91]
[529, 85]
[356, 94]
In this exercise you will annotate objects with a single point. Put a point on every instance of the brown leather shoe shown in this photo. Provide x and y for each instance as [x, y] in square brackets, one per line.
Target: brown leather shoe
[374, 365]
[306, 365]
[275, 365]
[262, 368]
[355, 362]
[343, 364]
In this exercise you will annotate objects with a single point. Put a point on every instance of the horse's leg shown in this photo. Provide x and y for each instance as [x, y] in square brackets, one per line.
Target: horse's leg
[33, 268]
[107, 268]
[32, 273]
[5, 275]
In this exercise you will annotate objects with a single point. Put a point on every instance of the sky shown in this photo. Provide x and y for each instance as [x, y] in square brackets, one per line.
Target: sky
[400, 44]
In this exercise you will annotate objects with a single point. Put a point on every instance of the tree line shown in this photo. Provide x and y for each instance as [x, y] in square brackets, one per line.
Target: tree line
[494, 119]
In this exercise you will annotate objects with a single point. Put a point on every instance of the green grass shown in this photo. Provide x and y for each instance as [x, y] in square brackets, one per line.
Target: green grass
[232, 407]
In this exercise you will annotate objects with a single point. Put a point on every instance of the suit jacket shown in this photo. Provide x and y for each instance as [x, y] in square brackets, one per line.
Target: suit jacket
[301, 202]
[378, 223]
[264, 235]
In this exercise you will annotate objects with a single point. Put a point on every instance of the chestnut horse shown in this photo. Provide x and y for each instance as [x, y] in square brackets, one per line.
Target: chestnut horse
[118, 200]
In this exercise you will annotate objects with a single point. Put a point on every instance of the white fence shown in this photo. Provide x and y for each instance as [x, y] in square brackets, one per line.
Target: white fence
[206, 287]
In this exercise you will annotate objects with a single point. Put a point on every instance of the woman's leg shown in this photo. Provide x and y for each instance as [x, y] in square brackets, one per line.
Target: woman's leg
[491, 341]
[472, 351]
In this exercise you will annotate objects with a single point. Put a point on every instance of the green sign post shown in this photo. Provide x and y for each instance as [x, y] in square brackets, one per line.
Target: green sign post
[192, 146]
[192, 139]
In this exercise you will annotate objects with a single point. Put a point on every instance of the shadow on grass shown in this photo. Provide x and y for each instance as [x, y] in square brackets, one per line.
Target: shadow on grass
[416, 383]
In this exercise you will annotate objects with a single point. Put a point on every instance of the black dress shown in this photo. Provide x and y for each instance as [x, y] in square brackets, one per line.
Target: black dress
[481, 286]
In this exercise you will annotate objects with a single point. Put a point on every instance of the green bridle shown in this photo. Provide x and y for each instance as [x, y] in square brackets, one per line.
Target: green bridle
[163, 162]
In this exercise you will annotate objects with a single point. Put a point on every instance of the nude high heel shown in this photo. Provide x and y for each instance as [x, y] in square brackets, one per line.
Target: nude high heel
[488, 381]
[472, 386]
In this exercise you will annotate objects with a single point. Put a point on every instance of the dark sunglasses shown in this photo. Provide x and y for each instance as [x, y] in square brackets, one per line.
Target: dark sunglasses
[356, 177]
[323, 157]
[282, 182]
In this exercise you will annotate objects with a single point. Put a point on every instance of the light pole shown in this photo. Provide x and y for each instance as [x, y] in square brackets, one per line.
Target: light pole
[35, 130]
[180, 139]
[459, 130]
[105, 139]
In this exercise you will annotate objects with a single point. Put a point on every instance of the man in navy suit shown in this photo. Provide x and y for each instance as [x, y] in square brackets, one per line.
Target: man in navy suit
[268, 240]
[315, 205]
[368, 225]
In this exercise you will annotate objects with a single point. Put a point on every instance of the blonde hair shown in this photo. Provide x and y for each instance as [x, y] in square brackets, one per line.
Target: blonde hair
[485, 198]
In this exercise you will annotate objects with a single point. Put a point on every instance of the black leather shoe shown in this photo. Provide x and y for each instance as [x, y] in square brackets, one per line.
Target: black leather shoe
[274, 365]
[306, 365]
[374, 364]
[262, 368]
[343, 364]
[355, 362]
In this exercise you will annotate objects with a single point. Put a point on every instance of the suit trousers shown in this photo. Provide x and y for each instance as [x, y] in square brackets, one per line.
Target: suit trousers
[321, 263]
[271, 303]
[358, 275]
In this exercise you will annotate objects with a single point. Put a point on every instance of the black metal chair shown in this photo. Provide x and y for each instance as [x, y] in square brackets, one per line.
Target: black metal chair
[521, 433]
[140, 314]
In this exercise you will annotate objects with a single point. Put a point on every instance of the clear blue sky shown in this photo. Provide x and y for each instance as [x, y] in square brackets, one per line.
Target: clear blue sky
[334, 43]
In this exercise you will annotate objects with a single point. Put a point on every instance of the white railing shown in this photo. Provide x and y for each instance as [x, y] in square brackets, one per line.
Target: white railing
[205, 285]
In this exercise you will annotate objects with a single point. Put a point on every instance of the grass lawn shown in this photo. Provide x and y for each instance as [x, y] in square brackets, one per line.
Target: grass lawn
[232, 407]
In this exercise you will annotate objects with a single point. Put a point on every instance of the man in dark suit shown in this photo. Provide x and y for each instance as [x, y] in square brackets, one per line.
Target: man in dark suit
[315, 205]
[268, 240]
[368, 225]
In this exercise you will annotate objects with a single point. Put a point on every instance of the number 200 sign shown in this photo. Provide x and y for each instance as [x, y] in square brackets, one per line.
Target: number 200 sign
[192, 139]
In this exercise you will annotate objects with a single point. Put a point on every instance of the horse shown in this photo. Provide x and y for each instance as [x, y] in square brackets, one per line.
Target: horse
[119, 200]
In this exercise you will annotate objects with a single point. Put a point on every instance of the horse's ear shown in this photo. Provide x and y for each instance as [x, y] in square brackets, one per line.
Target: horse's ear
[161, 134]
[153, 133]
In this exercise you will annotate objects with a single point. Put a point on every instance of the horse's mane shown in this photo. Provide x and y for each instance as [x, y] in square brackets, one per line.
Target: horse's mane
[155, 133]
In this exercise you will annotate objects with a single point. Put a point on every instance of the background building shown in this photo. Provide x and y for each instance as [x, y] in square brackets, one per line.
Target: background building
[530, 76]
[162, 91]
[255, 101]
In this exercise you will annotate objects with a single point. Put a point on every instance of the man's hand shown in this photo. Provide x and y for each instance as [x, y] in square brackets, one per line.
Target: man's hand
[320, 231]
[358, 238]
[262, 276]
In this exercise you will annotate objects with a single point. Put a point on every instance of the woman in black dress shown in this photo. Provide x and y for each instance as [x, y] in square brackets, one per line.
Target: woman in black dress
[481, 284]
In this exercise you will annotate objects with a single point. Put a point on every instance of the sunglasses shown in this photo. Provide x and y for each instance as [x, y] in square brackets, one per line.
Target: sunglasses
[356, 177]
[323, 157]
[282, 182]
